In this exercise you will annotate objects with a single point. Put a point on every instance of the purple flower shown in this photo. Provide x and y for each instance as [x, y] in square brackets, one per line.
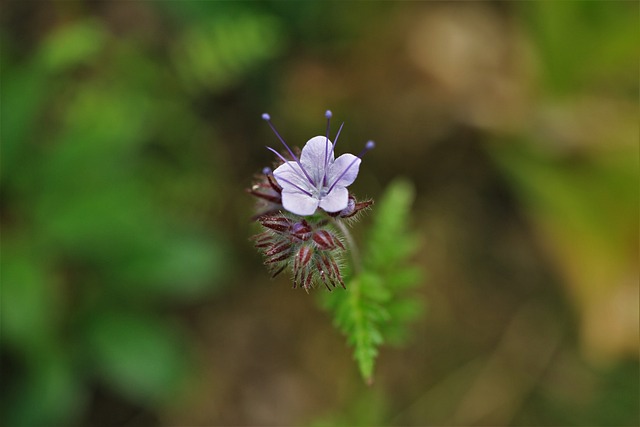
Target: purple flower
[310, 246]
[317, 178]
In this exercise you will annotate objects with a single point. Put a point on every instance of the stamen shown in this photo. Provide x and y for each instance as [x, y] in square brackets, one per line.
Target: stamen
[266, 117]
[267, 171]
[328, 115]
[368, 146]
[333, 149]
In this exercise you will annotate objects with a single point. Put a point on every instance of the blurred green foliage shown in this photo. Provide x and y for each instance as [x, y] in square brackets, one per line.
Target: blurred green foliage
[369, 408]
[214, 54]
[580, 190]
[106, 171]
[594, 200]
[377, 306]
[583, 42]
[614, 403]
[589, 187]
[577, 179]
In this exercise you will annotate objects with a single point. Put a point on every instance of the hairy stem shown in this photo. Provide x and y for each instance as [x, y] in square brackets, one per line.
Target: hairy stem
[353, 248]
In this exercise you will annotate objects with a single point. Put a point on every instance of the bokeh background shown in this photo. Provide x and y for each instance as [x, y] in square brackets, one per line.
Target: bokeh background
[131, 295]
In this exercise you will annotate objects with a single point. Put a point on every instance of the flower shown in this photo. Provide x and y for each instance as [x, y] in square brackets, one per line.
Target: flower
[310, 246]
[317, 178]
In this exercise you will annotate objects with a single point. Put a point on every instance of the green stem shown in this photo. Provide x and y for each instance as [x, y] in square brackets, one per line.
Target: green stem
[353, 248]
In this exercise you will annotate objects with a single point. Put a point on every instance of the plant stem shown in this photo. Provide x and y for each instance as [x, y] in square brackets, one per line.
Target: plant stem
[353, 248]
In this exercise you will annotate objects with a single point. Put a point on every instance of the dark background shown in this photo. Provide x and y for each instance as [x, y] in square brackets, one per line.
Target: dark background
[131, 295]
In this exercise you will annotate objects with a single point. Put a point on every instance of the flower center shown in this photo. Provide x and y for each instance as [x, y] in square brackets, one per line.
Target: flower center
[320, 192]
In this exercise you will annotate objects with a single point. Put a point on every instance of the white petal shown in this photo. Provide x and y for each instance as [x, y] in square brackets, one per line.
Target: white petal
[335, 201]
[299, 203]
[289, 176]
[314, 155]
[338, 168]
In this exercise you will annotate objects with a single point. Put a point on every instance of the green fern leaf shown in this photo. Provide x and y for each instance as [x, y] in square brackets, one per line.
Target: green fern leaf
[375, 308]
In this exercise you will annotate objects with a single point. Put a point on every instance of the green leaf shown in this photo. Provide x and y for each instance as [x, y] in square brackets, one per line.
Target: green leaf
[24, 88]
[72, 45]
[28, 297]
[375, 307]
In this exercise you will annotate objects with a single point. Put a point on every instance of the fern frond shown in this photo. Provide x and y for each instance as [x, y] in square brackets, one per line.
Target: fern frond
[376, 308]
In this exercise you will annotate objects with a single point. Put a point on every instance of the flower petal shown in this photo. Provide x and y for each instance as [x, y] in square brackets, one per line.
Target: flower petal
[338, 167]
[335, 201]
[289, 176]
[313, 156]
[299, 203]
